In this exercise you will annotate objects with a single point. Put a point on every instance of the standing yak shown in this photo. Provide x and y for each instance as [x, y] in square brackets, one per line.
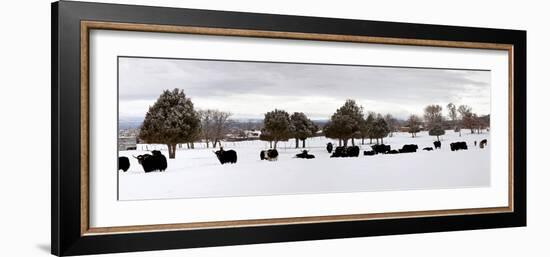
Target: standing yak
[153, 162]
[437, 144]
[224, 157]
[482, 143]
[123, 163]
[459, 146]
[329, 147]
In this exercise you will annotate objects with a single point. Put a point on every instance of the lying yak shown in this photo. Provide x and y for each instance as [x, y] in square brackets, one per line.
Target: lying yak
[123, 163]
[482, 143]
[459, 146]
[346, 151]
[270, 155]
[329, 147]
[224, 157]
[428, 149]
[437, 144]
[305, 155]
[153, 162]
[408, 149]
[369, 153]
[382, 148]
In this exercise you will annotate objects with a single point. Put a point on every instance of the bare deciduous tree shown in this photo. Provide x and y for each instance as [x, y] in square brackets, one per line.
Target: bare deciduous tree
[434, 120]
[207, 125]
[392, 123]
[414, 124]
[220, 125]
[467, 117]
[453, 116]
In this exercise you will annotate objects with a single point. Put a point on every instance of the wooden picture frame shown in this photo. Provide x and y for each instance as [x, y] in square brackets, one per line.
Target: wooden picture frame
[71, 25]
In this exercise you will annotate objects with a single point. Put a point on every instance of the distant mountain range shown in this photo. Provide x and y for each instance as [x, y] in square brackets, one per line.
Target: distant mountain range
[130, 122]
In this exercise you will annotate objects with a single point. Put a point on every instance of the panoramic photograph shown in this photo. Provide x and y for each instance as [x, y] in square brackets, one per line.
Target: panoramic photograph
[194, 128]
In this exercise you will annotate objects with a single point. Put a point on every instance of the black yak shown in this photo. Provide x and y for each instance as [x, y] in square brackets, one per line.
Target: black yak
[459, 146]
[224, 157]
[437, 144]
[329, 147]
[408, 149]
[153, 162]
[369, 153]
[428, 149]
[340, 151]
[123, 163]
[382, 148]
[270, 155]
[482, 143]
[346, 151]
[393, 152]
[352, 151]
[305, 155]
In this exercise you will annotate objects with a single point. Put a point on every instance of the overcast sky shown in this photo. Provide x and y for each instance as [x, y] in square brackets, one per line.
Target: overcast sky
[250, 89]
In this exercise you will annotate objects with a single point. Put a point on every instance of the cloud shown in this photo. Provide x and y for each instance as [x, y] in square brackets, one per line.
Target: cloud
[249, 89]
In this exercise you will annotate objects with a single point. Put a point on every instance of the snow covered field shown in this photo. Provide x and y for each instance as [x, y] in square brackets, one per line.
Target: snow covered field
[198, 173]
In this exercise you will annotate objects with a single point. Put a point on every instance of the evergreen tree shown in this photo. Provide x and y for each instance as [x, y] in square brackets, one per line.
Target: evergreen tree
[329, 130]
[171, 120]
[369, 123]
[346, 122]
[302, 128]
[341, 127]
[380, 128]
[436, 130]
[277, 124]
[265, 136]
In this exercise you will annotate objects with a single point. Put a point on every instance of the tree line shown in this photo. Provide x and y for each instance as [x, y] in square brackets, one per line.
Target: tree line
[173, 120]
[461, 117]
[346, 124]
[279, 125]
[350, 122]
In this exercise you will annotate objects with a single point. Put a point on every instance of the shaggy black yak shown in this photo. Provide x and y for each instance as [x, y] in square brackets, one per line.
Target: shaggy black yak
[229, 156]
[123, 163]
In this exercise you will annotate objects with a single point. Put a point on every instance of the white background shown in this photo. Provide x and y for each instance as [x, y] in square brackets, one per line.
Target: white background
[25, 113]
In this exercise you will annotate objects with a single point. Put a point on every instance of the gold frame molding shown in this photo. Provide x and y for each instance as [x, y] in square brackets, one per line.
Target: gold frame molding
[86, 26]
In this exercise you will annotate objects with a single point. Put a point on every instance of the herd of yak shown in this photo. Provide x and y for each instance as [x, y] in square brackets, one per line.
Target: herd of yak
[157, 161]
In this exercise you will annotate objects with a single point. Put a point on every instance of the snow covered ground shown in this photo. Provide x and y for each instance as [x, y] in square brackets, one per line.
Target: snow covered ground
[198, 173]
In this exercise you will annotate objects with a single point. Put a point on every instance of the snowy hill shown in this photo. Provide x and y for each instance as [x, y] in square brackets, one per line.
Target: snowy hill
[197, 172]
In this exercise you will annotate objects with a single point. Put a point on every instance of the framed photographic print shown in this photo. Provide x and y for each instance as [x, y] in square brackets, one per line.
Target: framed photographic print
[179, 128]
